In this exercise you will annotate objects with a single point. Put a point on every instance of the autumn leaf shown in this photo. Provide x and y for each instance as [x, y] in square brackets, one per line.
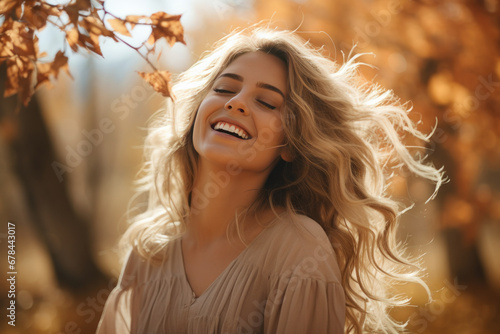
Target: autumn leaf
[96, 27]
[6, 45]
[19, 41]
[72, 37]
[45, 70]
[20, 79]
[38, 14]
[118, 25]
[90, 43]
[135, 19]
[160, 81]
[6, 6]
[168, 27]
[76, 8]
[22, 40]
[12, 82]
[60, 62]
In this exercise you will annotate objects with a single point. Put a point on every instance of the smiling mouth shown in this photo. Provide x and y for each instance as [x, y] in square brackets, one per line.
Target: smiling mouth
[231, 129]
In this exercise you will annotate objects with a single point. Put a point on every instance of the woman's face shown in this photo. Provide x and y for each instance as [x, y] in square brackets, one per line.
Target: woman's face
[239, 121]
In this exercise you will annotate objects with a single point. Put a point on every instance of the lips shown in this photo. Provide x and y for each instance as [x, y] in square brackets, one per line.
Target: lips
[231, 129]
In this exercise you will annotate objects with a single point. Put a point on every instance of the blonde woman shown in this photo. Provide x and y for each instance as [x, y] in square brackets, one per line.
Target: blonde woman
[267, 210]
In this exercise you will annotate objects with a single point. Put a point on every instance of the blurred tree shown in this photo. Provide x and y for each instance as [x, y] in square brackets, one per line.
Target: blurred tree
[65, 234]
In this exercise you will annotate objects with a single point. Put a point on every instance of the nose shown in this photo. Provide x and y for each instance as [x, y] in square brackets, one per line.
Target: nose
[237, 104]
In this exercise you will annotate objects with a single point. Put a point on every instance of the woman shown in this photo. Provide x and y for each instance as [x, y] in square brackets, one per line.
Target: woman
[267, 210]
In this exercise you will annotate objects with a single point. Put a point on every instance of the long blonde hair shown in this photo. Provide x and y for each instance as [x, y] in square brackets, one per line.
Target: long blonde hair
[343, 135]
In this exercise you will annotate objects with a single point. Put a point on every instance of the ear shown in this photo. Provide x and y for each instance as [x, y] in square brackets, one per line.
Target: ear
[286, 154]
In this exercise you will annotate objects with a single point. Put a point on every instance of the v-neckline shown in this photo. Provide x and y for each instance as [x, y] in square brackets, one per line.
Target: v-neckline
[230, 265]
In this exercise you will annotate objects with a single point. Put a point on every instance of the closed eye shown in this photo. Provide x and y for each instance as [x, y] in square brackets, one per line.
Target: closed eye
[223, 91]
[267, 105]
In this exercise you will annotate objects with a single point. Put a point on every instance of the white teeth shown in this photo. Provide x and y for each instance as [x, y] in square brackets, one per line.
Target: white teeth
[231, 128]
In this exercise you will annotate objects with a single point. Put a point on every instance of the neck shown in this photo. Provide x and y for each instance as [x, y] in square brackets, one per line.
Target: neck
[218, 196]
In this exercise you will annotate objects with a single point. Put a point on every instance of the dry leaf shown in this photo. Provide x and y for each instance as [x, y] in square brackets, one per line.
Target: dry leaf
[20, 79]
[19, 42]
[12, 81]
[160, 81]
[73, 10]
[168, 27]
[118, 25]
[95, 26]
[6, 45]
[90, 43]
[23, 40]
[38, 14]
[72, 37]
[6, 6]
[135, 19]
[60, 62]
[42, 74]
[45, 70]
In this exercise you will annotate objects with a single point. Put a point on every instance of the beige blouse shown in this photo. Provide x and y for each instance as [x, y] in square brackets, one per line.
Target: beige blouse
[286, 281]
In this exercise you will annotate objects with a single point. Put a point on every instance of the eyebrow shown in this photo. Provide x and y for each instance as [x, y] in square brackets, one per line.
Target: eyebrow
[259, 84]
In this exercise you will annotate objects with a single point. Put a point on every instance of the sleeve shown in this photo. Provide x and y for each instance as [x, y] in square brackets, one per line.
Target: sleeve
[116, 316]
[305, 305]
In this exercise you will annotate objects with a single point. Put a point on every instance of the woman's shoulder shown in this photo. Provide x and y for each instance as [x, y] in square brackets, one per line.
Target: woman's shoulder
[301, 231]
[300, 247]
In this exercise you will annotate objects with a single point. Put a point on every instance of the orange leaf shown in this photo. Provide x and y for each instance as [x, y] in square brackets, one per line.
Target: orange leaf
[12, 80]
[72, 37]
[95, 26]
[60, 62]
[160, 81]
[42, 74]
[45, 70]
[90, 43]
[118, 25]
[37, 15]
[20, 79]
[134, 19]
[73, 10]
[7, 47]
[166, 26]
[22, 38]
[6, 6]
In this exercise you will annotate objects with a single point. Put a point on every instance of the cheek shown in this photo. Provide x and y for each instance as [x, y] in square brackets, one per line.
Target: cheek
[272, 131]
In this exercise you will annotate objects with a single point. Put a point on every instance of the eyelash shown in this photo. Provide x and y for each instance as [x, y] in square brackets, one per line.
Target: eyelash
[224, 91]
[267, 105]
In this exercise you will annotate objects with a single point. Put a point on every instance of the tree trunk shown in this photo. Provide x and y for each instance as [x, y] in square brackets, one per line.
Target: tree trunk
[65, 234]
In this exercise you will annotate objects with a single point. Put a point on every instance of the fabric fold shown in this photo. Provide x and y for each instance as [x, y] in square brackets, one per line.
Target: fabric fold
[286, 281]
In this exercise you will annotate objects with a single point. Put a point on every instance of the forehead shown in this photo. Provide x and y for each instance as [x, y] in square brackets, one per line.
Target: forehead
[258, 66]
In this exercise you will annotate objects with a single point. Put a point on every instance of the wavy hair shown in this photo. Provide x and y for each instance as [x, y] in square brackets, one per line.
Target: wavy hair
[345, 137]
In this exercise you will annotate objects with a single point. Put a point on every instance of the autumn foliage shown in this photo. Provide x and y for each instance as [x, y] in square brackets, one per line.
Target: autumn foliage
[83, 25]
